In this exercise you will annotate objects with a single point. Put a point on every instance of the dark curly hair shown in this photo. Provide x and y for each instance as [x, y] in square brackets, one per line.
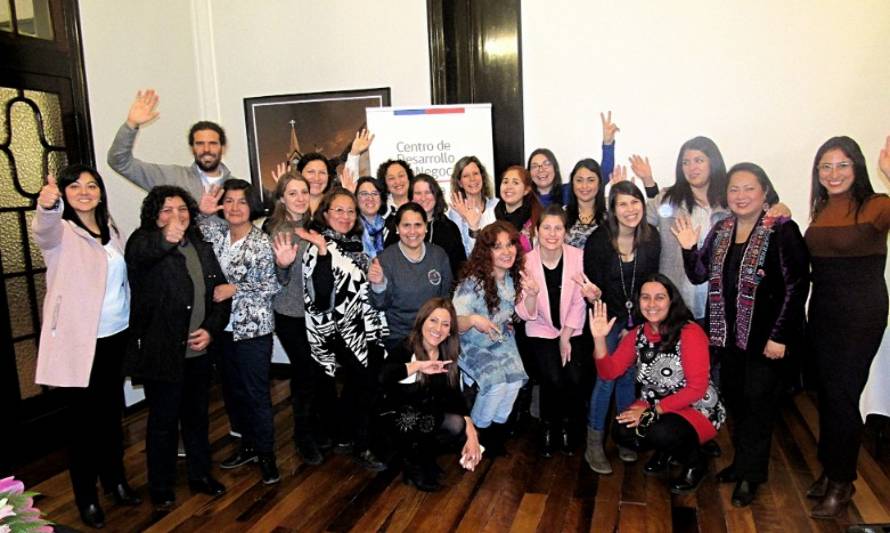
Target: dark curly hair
[381, 174]
[154, 201]
[480, 267]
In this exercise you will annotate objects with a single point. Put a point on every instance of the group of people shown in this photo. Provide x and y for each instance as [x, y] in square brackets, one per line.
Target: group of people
[438, 317]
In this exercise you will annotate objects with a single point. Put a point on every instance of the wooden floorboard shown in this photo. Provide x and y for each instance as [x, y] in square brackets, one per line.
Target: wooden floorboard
[519, 492]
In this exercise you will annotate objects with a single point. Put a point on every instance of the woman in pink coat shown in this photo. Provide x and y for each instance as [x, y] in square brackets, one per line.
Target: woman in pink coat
[85, 319]
[554, 310]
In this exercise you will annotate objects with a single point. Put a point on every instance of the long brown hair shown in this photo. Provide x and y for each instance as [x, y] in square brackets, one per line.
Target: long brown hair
[449, 349]
[531, 196]
[643, 231]
[279, 215]
[480, 267]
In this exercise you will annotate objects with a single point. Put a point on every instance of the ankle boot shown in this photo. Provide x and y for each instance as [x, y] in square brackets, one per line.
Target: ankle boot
[547, 441]
[565, 442]
[837, 496]
[595, 455]
[690, 478]
[819, 487]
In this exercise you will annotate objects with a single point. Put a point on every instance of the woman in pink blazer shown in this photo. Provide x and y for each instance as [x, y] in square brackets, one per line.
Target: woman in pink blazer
[554, 309]
[85, 320]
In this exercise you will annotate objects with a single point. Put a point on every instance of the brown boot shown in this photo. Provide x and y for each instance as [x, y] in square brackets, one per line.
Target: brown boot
[837, 496]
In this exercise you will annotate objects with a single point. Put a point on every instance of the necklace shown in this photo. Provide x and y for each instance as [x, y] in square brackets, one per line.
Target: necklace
[628, 296]
[585, 219]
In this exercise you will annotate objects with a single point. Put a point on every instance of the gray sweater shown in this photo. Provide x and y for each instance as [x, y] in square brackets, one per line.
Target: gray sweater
[149, 175]
[289, 301]
[407, 286]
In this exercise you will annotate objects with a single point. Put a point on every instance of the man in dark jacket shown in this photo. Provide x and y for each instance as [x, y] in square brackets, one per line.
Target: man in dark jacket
[174, 318]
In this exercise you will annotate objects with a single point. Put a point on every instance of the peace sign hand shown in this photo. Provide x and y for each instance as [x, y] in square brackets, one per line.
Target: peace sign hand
[49, 194]
[209, 203]
[600, 325]
[529, 285]
[279, 170]
[609, 128]
[618, 174]
[589, 290]
[686, 235]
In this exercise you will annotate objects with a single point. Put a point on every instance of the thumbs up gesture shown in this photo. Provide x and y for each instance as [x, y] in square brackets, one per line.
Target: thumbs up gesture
[49, 194]
[174, 231]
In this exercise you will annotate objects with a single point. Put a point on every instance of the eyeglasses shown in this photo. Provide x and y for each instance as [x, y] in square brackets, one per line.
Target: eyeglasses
[545, 164]
[339, 211]
[825, 168]
[369, 194]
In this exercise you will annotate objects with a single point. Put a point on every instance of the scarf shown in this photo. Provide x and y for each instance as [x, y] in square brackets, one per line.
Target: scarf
[518, 218]
[372, 237]
[351, 247]
[750, 275]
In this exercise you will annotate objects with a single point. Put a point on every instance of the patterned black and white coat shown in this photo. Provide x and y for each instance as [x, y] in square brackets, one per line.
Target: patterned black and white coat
[250, 267]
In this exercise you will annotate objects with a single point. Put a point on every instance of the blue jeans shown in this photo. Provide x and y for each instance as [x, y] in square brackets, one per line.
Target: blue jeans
[602, 390]
[494, 404]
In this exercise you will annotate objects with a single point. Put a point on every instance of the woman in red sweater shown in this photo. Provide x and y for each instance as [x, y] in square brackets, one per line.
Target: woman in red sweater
[678, 408]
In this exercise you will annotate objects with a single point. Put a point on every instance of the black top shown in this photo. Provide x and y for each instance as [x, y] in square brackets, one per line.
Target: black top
[731, 267]
[553, 278]
[433, 396]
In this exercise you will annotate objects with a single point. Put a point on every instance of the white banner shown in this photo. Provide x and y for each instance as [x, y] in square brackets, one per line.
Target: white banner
[431, 139]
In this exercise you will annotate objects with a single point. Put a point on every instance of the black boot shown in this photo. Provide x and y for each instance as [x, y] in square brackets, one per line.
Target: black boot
[566, 442]
[92, 515]
[494, 437]
[657, 464]
[123, 494]
[690, 478]
[547, 441]
[269, 469]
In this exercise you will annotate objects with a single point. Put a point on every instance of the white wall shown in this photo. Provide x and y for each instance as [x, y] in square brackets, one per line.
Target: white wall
[768, 81]
[204, 56]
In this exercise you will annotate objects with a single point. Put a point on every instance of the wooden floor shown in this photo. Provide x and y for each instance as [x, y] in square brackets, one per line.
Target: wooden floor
[521, 492]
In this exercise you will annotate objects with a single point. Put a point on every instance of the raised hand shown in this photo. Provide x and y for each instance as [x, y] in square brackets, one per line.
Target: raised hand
[279, 170]
[609, 128]
[285, 249]
[209, 203]
[471, 215]
[642, 169]
[375, 272]
[589, 290]
[174, 231]
[313, 237]
[362, 142]
[618, 174]
[142, 109]
[884, 158]
[686, 235]
[600, 325]
[528, 283]
[49, 194]
[347, 180]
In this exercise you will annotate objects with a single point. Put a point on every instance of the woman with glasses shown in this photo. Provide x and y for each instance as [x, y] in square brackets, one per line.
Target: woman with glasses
[345, 331]
[544, 169]
[847, 239]
[370, 195]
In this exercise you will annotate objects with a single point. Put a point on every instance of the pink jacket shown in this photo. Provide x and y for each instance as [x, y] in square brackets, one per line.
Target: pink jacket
[572, 306]
[76, 266]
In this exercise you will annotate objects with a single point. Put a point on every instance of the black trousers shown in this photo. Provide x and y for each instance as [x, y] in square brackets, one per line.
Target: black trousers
[245, 368]
[305, 376]
[419, 448]
[671, 433]
[562, 387]
[751, 385]
[175, 405]
[349, 418]
[95, 448]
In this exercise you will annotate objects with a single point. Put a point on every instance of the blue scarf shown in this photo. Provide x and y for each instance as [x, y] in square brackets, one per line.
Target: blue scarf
[372, 237]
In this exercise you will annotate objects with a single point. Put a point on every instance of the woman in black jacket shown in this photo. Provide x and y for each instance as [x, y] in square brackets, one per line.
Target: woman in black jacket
[173, 319]
[757, 270]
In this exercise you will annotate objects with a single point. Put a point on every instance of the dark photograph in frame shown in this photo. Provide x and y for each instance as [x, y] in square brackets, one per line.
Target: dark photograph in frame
[282, 128]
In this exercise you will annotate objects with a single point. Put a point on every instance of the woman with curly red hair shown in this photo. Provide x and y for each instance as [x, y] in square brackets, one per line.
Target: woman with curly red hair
[484, 300]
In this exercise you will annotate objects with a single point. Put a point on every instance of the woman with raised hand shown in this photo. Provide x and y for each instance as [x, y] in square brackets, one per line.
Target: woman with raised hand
[174, 317]
[84, 331]
[756, 270]
[485, 299]
[290, 213]
[245, 346]
[678, 407]
[472, 199]
[552, 304]
[586, 207]
[408, 273]
[428, 413]
[371, 207]
[345, 331]
[847, 239]
[544, 168]
[518, 204]
[617, 256]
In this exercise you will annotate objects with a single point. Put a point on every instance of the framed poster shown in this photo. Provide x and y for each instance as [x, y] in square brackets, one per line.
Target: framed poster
[281, 128]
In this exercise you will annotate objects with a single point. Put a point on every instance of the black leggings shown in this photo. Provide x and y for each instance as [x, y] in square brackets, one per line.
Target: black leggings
[562, 387]
[671, 433]
[305, 376]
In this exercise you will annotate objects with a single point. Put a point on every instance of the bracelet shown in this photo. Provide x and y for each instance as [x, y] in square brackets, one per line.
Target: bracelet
[647, 418]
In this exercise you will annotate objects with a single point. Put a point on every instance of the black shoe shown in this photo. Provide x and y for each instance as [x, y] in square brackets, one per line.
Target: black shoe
[244, 455]
[309, 452]
[269, 469]
[728, 475]
[369, 461]
[711, 448]
[689, 479]
[207, 485]
[565, 441]
[743, 494]
[123, 494]
[415, 476]
[493, 438]
[92, 516]
[163, 500]
[547, 442]
[344, 448]
[818, 489]
[657, 464]
[324, 444]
